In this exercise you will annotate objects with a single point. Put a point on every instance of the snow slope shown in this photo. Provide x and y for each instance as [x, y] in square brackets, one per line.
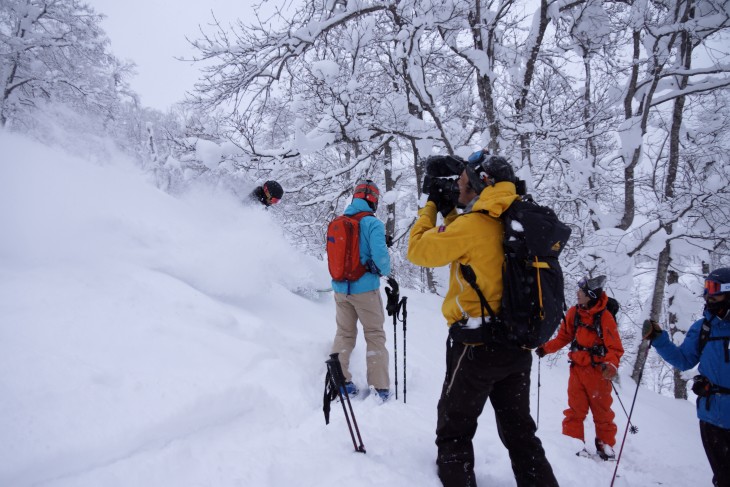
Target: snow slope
[148, 340]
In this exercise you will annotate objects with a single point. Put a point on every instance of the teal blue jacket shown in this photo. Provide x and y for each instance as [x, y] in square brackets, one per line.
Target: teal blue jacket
[372, 248]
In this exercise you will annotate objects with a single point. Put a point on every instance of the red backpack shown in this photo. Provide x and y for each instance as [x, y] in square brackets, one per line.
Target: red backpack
[343, 247]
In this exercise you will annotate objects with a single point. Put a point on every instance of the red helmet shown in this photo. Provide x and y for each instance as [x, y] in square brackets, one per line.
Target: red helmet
[366, 189]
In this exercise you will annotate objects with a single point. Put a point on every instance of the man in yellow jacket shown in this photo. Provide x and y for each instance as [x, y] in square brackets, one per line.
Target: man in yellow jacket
[479, 364]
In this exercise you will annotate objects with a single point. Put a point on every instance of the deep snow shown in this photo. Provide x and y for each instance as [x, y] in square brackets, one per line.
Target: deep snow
[152, 340]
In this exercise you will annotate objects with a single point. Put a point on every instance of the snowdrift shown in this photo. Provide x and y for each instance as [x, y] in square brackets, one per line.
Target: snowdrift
[153, 340]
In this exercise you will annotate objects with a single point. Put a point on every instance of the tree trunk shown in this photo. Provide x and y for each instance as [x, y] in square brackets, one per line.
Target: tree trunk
[656, 306]
[427, 274]
[631, 88]
[680, 384]
[485, 43]
[389, 186]
[533, 51]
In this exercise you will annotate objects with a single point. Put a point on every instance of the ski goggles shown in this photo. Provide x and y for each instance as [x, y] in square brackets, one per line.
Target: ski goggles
[583, 286]
[713, 287]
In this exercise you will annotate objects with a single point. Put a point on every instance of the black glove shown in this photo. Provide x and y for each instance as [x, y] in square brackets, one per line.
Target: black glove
[442, 194]
[701, 386]
[391, 305]
[389, 241]
[650, 330]
[540, 352]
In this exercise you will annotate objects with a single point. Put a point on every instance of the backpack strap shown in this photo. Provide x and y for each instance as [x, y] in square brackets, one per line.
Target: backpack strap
[596, 350]
[597, 324]
[705, 337]
[360, 215]
[705, 330]
[471, 278]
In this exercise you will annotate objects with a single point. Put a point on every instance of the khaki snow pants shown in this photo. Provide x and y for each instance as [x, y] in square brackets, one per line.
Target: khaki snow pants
[368, 308]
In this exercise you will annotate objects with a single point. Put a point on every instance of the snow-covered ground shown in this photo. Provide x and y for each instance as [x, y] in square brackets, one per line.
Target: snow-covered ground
[148, 340]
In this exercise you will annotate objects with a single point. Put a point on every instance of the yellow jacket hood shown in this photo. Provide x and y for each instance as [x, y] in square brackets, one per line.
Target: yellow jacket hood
[496, 199]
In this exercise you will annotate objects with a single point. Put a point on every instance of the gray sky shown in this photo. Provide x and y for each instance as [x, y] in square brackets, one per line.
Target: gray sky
[152, 33]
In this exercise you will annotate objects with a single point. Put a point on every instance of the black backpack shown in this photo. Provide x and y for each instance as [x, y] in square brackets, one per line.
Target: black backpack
[613, 307]
[533, 300]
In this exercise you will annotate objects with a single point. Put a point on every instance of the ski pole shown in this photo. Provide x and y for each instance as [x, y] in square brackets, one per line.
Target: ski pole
[405, 317]
[338, 379]
[539, 361]
[334, 386]
[395, 354]
[631, 411]
[632, 429]
[392, 306]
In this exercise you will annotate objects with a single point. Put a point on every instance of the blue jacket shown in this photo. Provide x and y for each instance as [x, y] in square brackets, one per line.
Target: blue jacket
[712, 365]
[372, 247]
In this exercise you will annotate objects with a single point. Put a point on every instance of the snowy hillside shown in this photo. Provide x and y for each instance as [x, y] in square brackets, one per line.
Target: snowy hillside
[147, 340]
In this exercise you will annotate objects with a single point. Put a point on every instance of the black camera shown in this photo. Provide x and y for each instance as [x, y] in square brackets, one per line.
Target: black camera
[443, 185]
[441, 173]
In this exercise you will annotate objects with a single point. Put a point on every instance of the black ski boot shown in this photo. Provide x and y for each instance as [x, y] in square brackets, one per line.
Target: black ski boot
[604, 451]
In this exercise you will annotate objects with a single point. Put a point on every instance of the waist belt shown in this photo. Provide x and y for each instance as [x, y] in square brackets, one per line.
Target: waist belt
[470, 330]
[704, 388]
[594, 351]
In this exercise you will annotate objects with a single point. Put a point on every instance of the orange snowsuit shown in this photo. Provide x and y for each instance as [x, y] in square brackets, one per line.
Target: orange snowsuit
[587, 389]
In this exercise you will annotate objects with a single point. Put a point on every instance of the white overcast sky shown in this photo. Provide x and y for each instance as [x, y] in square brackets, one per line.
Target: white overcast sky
[152, 33]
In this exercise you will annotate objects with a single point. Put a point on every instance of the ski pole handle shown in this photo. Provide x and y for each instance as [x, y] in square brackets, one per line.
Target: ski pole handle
[335, 367]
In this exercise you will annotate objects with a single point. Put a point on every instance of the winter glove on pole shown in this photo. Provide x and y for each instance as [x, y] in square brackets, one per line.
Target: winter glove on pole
[391, 306]
[389, 241]
[650, 330]
[330, 393]
[540, 352]
[608, 371]
[391, 291]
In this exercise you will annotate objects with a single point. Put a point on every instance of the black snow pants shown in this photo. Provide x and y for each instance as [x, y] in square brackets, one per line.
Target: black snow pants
[716, 441]
[502, 374]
